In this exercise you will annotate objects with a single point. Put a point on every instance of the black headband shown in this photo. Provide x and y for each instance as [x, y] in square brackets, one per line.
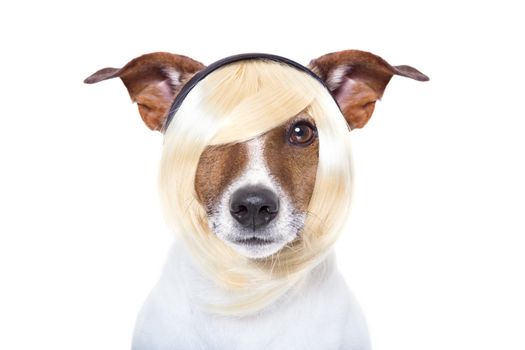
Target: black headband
[231, 59]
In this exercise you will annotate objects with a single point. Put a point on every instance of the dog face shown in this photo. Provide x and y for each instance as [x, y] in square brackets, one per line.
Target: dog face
[256, 193]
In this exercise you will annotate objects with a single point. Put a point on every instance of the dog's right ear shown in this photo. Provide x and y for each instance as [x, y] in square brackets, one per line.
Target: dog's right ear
[153, 80]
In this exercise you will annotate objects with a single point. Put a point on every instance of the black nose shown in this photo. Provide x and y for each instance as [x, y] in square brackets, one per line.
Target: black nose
[254, 206]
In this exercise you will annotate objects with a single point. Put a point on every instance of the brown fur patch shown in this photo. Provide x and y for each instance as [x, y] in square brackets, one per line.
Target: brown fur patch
[147, 79]
[218, 167]
[363, 82]
[294, 167]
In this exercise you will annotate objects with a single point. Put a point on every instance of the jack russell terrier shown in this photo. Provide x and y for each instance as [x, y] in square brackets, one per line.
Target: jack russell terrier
[255, 180]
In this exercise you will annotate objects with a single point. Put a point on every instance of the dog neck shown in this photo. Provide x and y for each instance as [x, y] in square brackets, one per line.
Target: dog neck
[184, 277]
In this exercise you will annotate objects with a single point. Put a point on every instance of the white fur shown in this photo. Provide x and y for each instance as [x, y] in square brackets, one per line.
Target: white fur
[318, 313]
[173, 75]
[281, 230]
[335, 77]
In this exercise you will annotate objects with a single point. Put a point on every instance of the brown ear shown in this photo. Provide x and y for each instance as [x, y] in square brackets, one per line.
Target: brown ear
[357, 79]
[153, 80]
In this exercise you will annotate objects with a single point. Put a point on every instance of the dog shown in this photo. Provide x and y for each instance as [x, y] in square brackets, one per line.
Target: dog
[255, 179]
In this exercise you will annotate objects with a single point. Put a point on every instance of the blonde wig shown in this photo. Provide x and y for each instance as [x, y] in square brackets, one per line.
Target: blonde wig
[233, 104]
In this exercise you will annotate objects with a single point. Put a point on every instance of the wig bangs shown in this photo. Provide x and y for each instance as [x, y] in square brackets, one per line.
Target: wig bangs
[234, 104]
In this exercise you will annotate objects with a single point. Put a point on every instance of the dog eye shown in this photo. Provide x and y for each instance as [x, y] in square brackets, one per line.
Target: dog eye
[302, 134]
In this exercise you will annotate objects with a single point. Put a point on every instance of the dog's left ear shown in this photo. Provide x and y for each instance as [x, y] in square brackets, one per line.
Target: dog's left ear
[357, 79]
[153, 80]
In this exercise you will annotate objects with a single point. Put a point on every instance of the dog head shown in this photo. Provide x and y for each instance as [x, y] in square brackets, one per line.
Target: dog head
[253, 175]
[256, 171]
[256, 192]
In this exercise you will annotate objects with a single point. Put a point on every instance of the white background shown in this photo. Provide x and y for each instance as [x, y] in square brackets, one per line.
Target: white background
[435, 246]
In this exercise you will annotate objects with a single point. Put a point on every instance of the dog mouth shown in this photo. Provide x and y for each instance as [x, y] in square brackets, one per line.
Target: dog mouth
[254, 241]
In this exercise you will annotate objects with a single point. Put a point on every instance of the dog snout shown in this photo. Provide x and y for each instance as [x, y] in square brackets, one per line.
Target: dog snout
[254, 206]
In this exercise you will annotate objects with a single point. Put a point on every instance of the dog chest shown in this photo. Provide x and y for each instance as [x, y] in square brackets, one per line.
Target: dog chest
[319, 314]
